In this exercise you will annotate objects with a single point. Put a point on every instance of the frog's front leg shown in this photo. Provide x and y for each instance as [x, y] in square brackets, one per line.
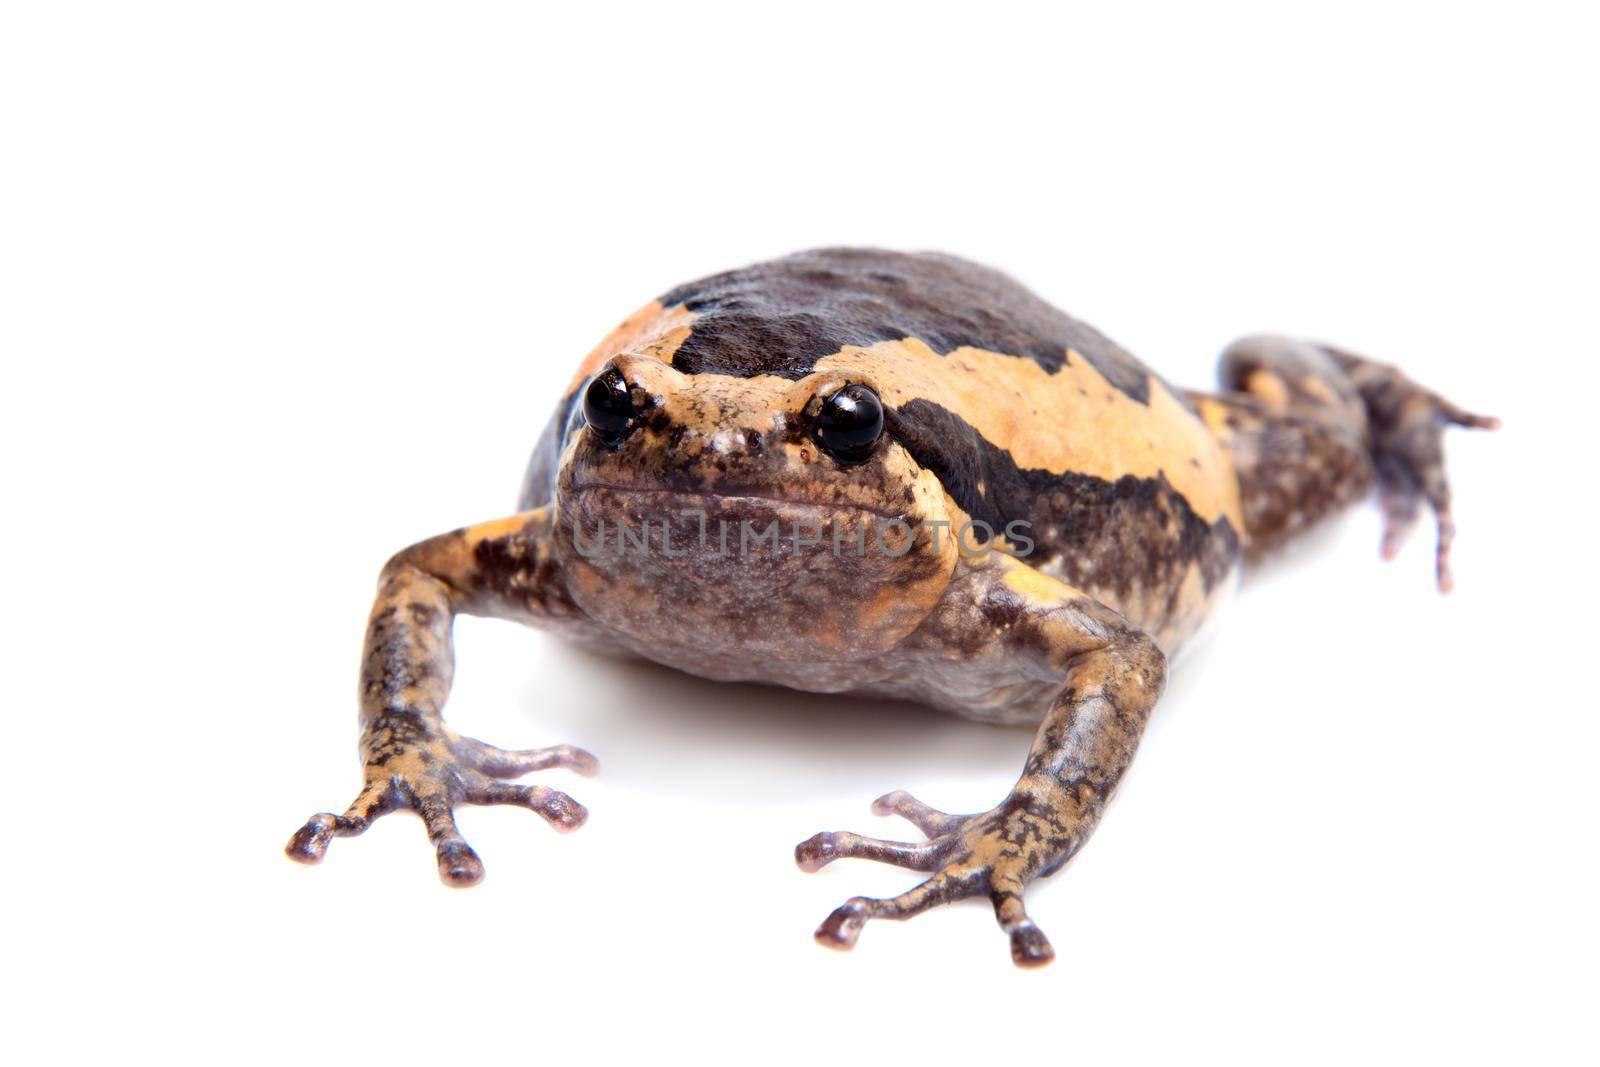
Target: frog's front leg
[412, 759]
[1110, 677]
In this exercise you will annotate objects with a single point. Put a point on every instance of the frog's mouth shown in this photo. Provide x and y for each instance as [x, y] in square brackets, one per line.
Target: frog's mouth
[750, 525]
[740, 499]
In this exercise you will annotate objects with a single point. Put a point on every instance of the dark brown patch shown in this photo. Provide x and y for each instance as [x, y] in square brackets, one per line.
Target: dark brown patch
[782, 316]
[1295, 467]
[1107, 535]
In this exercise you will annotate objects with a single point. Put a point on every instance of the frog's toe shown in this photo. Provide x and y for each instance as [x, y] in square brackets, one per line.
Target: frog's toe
[818, 851]
[1408, 452]
[310, 843]
[1461, 417]
[552, 805]
[842, 927]
[1029, 946]
[929, 820]
[514, 763]
[459, 865]
[1401, 511]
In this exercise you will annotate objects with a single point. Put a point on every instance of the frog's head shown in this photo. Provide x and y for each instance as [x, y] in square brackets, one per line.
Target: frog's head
[748, 516]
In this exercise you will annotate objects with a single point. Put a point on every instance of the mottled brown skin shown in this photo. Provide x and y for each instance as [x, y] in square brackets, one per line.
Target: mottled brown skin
[1139, 502]
[1311, 429]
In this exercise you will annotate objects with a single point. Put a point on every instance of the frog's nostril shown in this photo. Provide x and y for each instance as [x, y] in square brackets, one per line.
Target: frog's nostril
[608, 407]
[734, 442]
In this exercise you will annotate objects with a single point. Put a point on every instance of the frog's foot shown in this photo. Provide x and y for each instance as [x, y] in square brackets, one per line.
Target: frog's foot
[430, 771]
[993, 854]
[1408, 424]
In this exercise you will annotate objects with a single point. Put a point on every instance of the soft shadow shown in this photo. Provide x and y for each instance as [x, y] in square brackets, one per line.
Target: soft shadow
[1185, 675]
[1306, 550]
[679, 734]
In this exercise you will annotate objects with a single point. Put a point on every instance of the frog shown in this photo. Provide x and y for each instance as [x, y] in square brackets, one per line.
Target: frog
[900, 476]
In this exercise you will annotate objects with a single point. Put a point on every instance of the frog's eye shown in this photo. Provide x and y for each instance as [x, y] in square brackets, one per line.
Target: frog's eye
[608, 409]
[849, 424]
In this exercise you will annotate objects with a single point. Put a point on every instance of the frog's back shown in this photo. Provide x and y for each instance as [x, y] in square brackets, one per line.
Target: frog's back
[786, 316]
[1023, 412]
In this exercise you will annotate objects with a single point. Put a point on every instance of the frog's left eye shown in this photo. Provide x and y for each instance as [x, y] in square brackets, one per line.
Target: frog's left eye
[608, 409]
[849, 424]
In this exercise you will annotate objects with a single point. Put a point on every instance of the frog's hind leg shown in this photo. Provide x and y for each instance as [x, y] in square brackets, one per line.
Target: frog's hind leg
[1311, 429]
[412, 759]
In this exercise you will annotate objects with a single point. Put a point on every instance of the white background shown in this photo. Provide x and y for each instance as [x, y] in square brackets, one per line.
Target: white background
[289, 286]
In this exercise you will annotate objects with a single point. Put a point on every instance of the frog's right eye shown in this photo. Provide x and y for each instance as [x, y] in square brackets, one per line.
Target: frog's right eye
[849, 424]
[608, 409]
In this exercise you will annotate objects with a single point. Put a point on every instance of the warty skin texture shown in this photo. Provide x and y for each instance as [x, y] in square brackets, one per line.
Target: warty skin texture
[1138, 504]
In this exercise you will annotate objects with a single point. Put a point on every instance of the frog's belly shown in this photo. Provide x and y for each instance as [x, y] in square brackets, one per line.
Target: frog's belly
[993, 695]
[985, 690]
